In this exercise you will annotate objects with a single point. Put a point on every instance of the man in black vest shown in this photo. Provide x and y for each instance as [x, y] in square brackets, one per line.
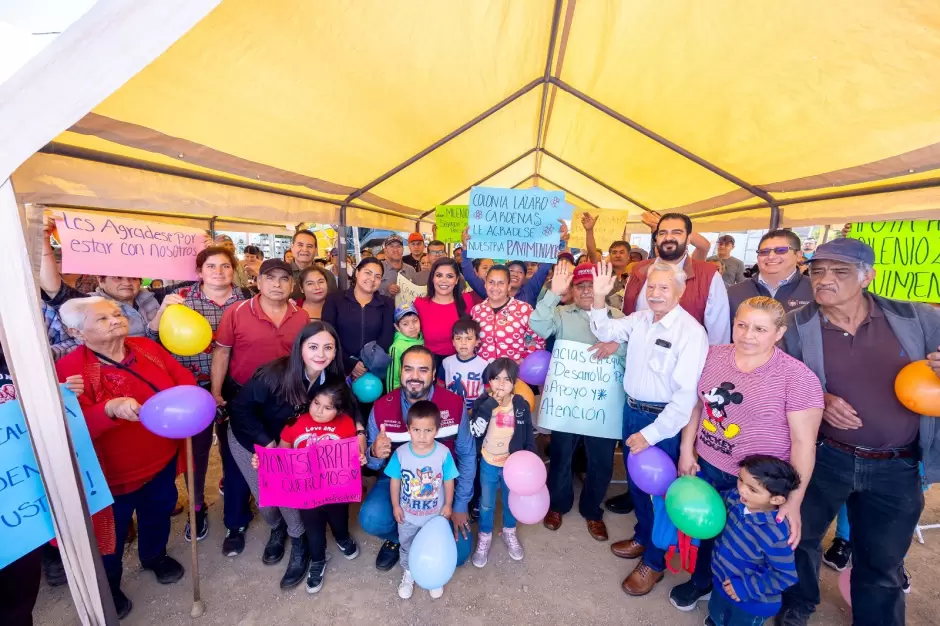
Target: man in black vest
[778, 254]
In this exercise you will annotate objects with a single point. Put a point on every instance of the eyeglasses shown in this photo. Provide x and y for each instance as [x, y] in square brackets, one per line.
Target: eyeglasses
[779, 251]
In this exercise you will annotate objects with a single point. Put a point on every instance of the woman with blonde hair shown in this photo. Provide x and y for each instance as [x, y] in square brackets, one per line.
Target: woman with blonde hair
[753, 399]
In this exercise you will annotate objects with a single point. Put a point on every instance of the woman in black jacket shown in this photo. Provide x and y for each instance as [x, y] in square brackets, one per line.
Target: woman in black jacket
[277, 392]
[361, 315]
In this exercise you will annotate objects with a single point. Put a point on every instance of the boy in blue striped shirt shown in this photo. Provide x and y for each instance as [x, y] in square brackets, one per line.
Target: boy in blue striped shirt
[752, 563]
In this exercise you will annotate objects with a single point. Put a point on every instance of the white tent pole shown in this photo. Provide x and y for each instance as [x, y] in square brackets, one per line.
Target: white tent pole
[356, 243]
[84, 65]
[30, 363]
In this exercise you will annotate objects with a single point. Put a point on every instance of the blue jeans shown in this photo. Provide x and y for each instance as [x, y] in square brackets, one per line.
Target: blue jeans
[491, 480]
[376, 518]
[843, 531]
[722, 481]
[725, 612]
[600, 468]
[154, 503]
[884, 500]
[635, 420]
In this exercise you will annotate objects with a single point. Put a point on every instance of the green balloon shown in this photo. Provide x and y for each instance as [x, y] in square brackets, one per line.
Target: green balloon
[695, 507]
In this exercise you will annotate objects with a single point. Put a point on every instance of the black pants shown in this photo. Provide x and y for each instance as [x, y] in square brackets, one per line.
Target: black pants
[315, 522]
[600, 468]
[19, 586]
[884, 500]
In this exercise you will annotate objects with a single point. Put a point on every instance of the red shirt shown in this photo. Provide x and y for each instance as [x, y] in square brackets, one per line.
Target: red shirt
[305, 432]
[437, 323]
[254, 339]
[507, 333]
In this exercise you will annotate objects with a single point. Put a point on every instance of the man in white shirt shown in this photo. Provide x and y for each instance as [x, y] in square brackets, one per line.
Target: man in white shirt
[666, 350]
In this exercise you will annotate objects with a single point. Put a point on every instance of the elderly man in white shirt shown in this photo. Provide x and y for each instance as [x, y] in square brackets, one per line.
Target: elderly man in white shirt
[666, 350]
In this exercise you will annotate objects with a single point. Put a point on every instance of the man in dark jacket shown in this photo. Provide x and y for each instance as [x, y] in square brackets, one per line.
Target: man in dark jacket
[778, 254]
[869, 443]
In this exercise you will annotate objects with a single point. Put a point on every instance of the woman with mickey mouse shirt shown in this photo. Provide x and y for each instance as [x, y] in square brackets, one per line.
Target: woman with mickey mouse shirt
[753, 399]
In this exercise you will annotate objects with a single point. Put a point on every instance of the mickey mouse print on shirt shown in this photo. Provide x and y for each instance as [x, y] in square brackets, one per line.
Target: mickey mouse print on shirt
[717, 400]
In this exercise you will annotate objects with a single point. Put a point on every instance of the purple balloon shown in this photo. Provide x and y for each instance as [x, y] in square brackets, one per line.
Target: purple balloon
[534, 368]
[652, 471]
[178, 412]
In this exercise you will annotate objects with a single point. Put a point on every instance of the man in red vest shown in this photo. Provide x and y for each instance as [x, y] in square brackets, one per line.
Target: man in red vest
[387, 431]
[705, 297]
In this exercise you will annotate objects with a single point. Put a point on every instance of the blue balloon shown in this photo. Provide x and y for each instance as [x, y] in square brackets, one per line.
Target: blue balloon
[433, 556]
[368, 387]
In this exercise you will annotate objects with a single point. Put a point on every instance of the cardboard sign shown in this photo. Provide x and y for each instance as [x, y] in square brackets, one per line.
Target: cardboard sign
[25, 519]
[607, 229]
[451, 219]
[519, 224]
[327, 472]
[583, 395]
[907, 258]
[409, 291]
[108, 246]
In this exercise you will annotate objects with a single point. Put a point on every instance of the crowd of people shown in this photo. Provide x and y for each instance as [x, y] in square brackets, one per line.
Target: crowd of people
[752, 383]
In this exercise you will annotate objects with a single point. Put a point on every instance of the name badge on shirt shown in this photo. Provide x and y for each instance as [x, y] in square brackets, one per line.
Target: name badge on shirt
[663, 343]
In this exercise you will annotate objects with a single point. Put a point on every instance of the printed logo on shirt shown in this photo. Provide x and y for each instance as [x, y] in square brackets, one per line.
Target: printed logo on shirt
[469, 389]
[7, 393]
[420, 492]
[717, 401]
[795, 304]
[315, 434]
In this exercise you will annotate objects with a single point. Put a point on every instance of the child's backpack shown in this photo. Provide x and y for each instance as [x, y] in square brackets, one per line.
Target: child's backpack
[667, 537]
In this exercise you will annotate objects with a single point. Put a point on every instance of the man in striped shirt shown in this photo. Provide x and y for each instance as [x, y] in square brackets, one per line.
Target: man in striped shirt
[752, 563]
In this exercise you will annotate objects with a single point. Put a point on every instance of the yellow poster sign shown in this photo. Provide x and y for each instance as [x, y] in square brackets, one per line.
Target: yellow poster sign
[907, 258]
[608, 228]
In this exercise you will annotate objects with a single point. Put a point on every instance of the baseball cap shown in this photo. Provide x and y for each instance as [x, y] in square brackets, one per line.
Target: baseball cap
[275, 264]
[726, 239]
[414, 237]
[393, 238]
[566, 256]
[402, 311]
[845, 250]
[582, 273]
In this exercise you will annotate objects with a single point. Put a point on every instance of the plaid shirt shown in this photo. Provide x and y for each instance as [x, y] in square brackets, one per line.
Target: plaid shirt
[59, 340]
[200, 364]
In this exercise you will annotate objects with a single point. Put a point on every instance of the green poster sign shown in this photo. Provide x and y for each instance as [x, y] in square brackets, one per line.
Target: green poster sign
[907, 258]
[451, 221]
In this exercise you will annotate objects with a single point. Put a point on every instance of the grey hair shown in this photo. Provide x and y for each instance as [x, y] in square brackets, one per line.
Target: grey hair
[864, 269]
[73, 312]
[678, 274]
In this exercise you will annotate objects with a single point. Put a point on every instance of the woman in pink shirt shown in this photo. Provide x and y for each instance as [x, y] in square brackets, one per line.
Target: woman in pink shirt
[441, 308]
[753, 399]
[504, 321]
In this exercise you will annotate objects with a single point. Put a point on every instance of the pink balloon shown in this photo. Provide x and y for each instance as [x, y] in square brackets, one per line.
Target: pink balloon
[524, 473]
[529, 509]
[845, 585]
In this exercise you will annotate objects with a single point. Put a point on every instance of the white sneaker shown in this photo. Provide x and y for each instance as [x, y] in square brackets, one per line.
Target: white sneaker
[436, 593]
[407, 586]
[512, 543]
[484, 540]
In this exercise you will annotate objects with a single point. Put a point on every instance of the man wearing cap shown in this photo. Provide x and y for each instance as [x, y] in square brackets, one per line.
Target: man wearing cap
[733, 268]
[416, 245]
[304, 247]
[394, 265]
[572, 322]
[458, 254]
[856, 342]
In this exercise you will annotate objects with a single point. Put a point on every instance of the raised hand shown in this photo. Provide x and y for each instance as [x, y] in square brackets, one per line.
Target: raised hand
[465, 237]
[565, 235]
[588, 221]
[604, 279]
[382, 446]
[650, 218]
[561, 280]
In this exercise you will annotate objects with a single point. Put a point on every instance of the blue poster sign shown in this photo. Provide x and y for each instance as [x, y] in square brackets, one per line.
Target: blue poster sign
[520, 224]
[25, 519]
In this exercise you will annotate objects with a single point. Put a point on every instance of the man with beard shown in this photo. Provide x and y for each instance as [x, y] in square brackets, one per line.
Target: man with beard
[705, 297]
[387, 431]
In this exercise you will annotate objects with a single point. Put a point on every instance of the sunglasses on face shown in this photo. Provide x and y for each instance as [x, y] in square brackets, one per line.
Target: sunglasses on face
[779, 251]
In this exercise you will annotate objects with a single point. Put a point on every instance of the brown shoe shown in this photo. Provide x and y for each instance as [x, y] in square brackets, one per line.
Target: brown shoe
[552, 520]
[627, 549]
[598, 529]
[641, 580]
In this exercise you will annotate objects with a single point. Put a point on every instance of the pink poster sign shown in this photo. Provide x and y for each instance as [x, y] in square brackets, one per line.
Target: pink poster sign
[325, 473]
[108, 246]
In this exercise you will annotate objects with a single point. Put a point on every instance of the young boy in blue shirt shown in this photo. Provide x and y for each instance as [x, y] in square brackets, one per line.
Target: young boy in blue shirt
[752, 563]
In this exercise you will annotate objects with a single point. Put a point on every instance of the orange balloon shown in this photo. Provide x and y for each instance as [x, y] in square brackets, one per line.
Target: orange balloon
[918, 388]
[523, 390]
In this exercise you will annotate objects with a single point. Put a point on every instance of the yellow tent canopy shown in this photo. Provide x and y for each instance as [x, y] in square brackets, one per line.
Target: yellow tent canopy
[736, 113]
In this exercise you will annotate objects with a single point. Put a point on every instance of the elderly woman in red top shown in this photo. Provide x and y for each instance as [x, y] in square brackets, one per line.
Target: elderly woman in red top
[120, 373]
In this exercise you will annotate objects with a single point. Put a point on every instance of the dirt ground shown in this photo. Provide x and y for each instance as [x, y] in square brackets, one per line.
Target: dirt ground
[566, 578]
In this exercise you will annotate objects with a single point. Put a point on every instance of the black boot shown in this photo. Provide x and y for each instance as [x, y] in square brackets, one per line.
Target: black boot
[297, 564]
[621, 505]
[52, 566]
[274, 549]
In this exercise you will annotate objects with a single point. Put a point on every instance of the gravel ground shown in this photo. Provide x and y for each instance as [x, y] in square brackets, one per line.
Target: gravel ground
[566, 578]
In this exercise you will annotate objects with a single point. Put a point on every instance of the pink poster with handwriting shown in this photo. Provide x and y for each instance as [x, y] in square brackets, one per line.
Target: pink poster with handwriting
[325, 473]
[103, 245]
